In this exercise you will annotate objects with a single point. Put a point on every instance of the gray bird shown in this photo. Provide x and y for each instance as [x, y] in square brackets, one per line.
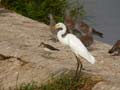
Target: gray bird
[84, 27]
[48, 47]
[77, 27]
[87, 39]
[71, 25]
[115, 48]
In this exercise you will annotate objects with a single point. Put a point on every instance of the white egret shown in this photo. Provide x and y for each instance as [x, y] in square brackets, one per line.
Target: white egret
[76, 46]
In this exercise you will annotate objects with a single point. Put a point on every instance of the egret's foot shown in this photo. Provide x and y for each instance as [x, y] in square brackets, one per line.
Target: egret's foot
[77, 75]
[76, 78]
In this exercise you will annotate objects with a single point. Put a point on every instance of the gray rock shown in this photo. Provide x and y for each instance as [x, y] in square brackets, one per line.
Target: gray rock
[106, 86]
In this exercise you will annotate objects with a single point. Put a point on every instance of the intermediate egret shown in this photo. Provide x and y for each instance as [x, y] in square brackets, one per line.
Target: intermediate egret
[115, 48]
[76, 46]
[53, 32]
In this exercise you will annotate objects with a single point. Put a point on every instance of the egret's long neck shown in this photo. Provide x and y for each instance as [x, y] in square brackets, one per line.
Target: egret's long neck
[60, 35]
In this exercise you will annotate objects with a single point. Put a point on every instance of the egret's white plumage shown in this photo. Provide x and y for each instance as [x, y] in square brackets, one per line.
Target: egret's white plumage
[74, 43]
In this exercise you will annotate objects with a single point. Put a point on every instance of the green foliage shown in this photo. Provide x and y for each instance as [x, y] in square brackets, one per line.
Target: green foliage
[37, 9]
[78, 11]
[40, 9]
[29, 86]
[63, 82]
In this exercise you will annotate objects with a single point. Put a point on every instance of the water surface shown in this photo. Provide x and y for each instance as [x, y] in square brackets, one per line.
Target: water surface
[105, 17]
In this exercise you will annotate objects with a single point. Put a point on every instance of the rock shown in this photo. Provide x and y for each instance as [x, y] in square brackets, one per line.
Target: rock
[20, 37]
[106, 86]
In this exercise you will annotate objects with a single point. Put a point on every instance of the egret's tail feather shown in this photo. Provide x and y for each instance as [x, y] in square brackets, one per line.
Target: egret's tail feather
[90, 58]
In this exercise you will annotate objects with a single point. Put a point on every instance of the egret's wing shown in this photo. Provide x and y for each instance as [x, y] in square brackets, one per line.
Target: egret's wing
[77, 47]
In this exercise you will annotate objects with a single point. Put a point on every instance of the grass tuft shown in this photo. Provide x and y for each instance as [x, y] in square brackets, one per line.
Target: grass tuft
[63, 82]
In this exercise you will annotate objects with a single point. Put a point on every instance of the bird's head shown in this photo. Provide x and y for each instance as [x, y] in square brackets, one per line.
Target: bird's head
[59, 26]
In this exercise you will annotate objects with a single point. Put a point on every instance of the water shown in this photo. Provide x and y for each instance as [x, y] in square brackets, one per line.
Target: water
[105, 17]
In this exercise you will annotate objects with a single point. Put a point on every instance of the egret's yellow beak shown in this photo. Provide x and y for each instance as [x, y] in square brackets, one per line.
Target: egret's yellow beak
[56, 27]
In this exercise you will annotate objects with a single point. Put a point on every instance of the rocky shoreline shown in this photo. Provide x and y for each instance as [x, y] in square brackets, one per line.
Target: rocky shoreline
[20, 37]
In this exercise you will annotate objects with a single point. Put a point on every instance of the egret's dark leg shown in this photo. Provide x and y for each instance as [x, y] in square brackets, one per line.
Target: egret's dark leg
[78, 65]
[80, 68]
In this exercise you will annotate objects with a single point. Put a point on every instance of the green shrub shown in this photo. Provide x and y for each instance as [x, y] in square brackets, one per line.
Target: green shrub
[40, 9]
[37, 9]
